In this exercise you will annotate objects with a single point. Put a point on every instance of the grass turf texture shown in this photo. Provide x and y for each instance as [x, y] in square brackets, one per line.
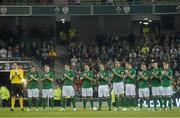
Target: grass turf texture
[5, 113]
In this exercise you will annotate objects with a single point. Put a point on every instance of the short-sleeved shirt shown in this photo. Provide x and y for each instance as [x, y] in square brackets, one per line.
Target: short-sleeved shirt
[120, 71]
[85, 82]
[46, 83]
[156, 81]
[103, 74]
[33, 83]
[144, 83]
[165, 79]
[66, 81]
[129, 80]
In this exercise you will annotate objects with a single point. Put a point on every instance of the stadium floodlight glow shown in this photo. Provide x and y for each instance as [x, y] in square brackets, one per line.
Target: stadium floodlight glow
[63, 20]
[146, 23]
[140, 22]
[150, 21]
[145, 18]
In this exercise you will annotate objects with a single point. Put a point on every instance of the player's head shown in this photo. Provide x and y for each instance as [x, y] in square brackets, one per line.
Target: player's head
[46, 68]
[86, 67]
[165, 65]
[117, 64]
[33, 68]
[66, 67]
[127, 65]
[143, 66]
[101, 66]
[154, 64]
[15, 65]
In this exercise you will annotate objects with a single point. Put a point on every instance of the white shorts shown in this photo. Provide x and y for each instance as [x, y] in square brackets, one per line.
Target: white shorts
[67, 91]
[118, 88]
[157, 91]
[144, 92]
[47, 93]
[167, 91]
[33, 93]
[87, 92]
[103, 91]
[130, 90]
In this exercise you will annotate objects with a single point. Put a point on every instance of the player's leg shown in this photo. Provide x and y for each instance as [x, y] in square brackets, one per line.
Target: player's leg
[127, 96]
[13, 98]
[84, 97]
[44, 98]
[36, 98]
[51, 98]
[169, 96]
[147, 97]
[100, 95]
[122, 98]
[141, 97]
[20, 92]
[30, 94]
[90, 94]
[116, 93]
[71, 93]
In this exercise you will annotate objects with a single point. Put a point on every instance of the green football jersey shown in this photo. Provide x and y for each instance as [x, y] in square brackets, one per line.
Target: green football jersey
[103, 74]
[144, 83]
[67, 81]
[33, 84]
[129, 80]
[46, 83]
[156, 77]
[85, 82]
[165, 79]
[119, 71]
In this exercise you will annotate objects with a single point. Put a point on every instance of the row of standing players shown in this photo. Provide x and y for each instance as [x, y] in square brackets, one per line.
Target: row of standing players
[123, 81]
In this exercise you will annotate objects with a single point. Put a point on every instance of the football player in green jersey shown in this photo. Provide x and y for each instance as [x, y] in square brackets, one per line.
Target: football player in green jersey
[130, 88]
[156, 84]
[67, 89]
[118, 84]
[166, 82]
[143, 84]
[103, 77]
[87, 78]
[47, 86]
[32, 88]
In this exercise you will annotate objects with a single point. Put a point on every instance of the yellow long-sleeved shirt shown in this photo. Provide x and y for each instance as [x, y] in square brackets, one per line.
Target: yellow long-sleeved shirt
[16, 76]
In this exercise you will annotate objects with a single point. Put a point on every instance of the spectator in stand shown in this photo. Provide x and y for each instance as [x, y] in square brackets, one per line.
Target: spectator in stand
[74, 63]
[44, 56]
[3, 53]
[9, 53]
[17, 51]
[52, 56]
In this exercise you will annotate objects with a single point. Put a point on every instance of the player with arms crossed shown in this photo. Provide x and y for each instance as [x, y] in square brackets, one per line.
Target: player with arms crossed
[67, 89]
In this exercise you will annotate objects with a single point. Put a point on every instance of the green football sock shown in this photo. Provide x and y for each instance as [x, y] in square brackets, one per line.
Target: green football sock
[127, 100]
[84, 103]
[160, 101]
[64, 102]
[134, 101]
[100, 103]
[36, 102]
[170, 102]
[141, 102]
[51, 102]
[92, 103]
[148, 102]
[109, 103]
[74, 102]
[155, 102]
[165, 102]
[116, 102]
[44, 102]
[122, 101]
[30, 102]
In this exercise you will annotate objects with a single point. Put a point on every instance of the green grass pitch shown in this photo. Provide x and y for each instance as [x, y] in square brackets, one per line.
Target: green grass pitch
[5, 113]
